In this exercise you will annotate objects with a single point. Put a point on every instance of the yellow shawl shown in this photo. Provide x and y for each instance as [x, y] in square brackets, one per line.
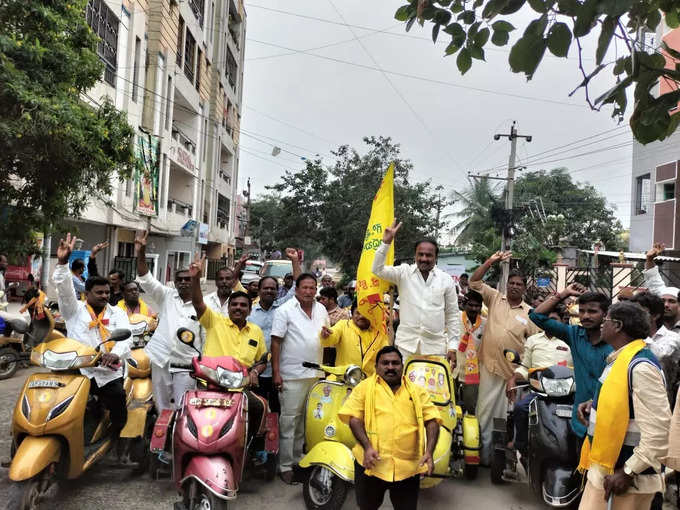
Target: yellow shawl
[613, 414]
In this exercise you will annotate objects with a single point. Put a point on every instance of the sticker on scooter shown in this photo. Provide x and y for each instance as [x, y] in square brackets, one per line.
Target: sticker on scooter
[45, 383]
[326, 394]
[318, 412]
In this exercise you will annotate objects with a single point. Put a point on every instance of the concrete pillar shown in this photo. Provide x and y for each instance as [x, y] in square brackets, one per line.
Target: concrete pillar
[560, 275]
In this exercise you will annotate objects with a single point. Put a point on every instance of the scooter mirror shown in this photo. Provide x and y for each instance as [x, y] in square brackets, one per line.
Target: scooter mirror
[118, 335]
[511, 356]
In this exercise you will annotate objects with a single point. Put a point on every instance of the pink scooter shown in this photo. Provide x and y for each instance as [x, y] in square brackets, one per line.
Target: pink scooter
[211, 446]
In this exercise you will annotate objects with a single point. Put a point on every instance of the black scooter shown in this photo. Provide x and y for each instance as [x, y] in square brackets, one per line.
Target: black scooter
[553, 449]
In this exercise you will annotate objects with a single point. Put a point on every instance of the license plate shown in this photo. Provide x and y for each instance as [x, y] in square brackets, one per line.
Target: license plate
[563, 411]
[45, 383]
[210, 402]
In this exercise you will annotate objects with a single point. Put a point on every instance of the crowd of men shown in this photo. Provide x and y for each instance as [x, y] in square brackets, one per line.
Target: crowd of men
[625, 358]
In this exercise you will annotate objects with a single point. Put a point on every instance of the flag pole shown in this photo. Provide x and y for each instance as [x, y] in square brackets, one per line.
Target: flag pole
[390, 317]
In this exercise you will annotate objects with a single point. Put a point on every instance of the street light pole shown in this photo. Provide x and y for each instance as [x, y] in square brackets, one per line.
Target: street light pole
[509, 195]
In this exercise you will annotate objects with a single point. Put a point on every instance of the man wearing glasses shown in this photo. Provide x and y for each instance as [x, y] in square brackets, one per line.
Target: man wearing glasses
[167, 354]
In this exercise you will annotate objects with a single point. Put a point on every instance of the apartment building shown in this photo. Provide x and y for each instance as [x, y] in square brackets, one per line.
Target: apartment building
[176, 68]
[656, 176]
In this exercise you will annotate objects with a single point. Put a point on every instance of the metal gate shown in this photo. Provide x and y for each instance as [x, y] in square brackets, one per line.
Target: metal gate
[128, 265]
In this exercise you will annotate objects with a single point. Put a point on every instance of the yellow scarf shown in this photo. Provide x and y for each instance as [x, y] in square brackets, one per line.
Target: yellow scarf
[39, 302]
[143, 308]
[467, 345]
[370, 418]
[99, 322]
[613, 414]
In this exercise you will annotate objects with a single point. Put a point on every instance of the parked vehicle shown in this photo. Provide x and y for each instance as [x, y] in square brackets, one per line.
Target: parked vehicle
[136, 435]
[329, 461]
[208, 438]
[59, 431]
[276, 268]
[251, 272]
[553, 448]
[457, 451]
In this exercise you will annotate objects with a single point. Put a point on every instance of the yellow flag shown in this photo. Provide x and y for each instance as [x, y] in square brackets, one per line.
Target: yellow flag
[370, 288]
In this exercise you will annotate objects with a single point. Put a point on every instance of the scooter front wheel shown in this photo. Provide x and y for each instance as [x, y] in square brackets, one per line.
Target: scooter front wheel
[9, 362]
[323, 490]
[29, 494]
[206, 500]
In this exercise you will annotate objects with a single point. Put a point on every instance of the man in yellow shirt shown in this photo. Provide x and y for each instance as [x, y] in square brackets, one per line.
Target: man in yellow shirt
[132, 303]
[355, 341]
[396, 426]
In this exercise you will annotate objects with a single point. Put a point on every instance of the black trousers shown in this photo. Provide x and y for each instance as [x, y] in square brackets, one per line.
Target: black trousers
[266, 389]
[370, 491]
[112, 396]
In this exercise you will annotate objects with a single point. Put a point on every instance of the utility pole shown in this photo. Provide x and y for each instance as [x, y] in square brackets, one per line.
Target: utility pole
[247, 209]
[509, 195]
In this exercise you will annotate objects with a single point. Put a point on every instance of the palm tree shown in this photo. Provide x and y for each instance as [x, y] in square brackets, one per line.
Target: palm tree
[475, 216]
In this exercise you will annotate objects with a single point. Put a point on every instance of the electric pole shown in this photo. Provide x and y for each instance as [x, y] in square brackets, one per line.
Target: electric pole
[509, 195]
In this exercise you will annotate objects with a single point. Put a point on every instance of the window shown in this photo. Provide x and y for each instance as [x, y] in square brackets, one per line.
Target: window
[198, 69]
[104, 23]
[232, 69]
[669, 191]
[189, 56]
[197, 7]
[222, 210]
[180, 41]
[205, 137]
[168, 103]
[642, 191]
[135, 71]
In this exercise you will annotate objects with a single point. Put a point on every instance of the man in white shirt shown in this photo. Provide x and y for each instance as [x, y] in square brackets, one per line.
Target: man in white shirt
[428, 301]
[226, 281]
[169, 357]
[294, 339]
[91, 322]
[656, 285]
[664, 343]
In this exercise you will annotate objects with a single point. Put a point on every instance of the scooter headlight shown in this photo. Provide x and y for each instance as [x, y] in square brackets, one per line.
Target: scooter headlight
[228, 379]
[59, 360]
[557, 387]
[353, 376]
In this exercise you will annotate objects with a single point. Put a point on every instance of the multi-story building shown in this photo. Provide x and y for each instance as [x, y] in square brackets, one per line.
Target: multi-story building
[176, 68]
[656, 177]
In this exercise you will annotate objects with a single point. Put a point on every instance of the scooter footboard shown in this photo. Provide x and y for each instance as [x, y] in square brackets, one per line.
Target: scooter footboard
[214, 472]
[561, 485]
[33, 455]
[335, 456]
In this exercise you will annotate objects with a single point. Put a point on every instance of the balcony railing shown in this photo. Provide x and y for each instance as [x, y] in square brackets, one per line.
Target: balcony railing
[197, 7]
[183, 139]
[179, 207]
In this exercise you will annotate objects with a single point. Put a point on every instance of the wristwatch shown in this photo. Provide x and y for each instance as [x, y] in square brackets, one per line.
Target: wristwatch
[628, 471]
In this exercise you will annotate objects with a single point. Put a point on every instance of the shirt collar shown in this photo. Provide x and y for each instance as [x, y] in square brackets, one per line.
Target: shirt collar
[232, 324]
[521, 304]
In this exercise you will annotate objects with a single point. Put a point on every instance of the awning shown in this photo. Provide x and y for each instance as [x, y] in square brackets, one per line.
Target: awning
[630, 255]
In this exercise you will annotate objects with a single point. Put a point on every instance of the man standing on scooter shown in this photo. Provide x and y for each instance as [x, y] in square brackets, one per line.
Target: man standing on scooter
[396, 426]
[588, 350]
[429, 313]
[164, 349]
[91, 322]
[629, 418]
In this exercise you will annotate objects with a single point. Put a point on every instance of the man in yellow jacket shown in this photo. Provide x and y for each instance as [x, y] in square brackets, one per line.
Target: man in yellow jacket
[396, 426]
[355, 341]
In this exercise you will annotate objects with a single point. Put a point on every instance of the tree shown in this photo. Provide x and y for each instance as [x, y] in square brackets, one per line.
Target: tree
[550, 210]
[326, 209]
[471, 24]
[57, 153]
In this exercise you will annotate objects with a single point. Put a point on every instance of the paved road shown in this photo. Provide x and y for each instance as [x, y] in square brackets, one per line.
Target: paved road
[113, 488]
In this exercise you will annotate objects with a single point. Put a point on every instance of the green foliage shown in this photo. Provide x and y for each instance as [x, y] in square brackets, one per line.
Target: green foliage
[325, 210]
[469, 23]
[551, 210]
[56, 152]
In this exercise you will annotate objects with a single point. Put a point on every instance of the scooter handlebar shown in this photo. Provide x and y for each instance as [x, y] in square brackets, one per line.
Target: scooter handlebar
[309, 364]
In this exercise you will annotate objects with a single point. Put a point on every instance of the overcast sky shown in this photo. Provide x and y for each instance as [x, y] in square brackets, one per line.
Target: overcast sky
[309, 105]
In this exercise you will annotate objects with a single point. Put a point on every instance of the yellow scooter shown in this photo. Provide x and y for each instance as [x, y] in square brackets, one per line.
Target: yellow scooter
[457, 451]
[329, 461]
[57, 432]
[136, 435]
